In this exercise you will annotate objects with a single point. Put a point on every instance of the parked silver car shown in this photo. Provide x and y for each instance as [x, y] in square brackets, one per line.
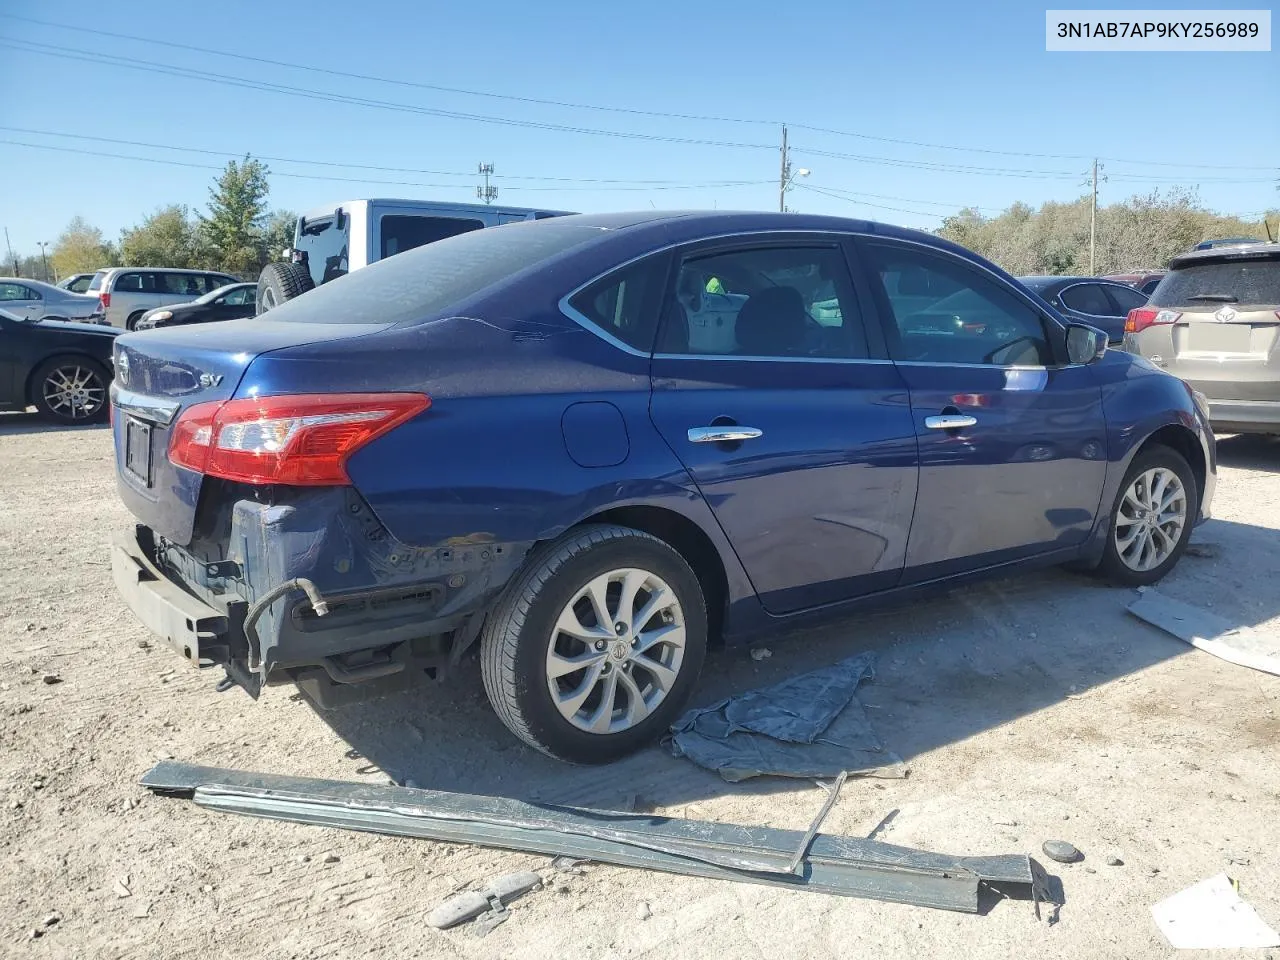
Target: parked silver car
[127, 293]
[1214, 321]
[35, 300]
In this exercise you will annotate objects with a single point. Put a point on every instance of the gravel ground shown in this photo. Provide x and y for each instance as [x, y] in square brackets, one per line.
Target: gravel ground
[1029, 709]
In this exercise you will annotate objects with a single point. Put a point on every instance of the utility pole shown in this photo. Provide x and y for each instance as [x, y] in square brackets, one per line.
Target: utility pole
[43, 245]
[1093, 220]
[10, 248]
[784, 173]
[487, 192]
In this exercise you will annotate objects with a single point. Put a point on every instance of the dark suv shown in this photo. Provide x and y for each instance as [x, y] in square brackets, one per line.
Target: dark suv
[1214, 321]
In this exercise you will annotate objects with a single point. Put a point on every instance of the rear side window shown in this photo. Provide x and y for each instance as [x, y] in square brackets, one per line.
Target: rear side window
[96, 283]
[626, 303]
[1087, 298]
[424, 282]
[1246, 282]
[1125, 299]
[133, 283]
[401, 233]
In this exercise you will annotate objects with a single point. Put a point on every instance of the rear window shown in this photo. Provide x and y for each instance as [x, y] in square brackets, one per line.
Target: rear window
[423, 282]
[96, 283]
[1250, 282]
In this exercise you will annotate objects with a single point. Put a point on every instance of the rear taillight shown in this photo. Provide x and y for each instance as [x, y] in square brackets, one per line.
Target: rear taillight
[1142, 317]
[104, 298]
[297, 440]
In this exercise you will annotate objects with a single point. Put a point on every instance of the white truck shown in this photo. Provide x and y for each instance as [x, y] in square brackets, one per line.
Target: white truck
[331, 241]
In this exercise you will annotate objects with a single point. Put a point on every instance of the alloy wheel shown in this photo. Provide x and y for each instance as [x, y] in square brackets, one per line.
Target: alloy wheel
[1151, 519]
[74, 392]
[615, 651]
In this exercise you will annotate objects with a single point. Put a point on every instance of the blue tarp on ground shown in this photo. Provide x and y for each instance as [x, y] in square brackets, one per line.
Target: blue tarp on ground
[810, 726]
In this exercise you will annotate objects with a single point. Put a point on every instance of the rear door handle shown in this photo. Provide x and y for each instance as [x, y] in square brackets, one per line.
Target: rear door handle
[728, 433]
[950, 421]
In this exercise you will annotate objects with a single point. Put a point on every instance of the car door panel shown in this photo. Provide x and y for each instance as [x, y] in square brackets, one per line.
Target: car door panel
[1021, 473]
[1025, 478]
[817, 503]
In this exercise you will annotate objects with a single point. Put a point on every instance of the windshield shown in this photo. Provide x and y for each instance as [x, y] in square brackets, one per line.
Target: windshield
[1209, 285]
[213, 295]
[424, 281]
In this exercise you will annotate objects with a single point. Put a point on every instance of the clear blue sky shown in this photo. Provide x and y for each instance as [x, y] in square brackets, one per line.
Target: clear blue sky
[936, 72]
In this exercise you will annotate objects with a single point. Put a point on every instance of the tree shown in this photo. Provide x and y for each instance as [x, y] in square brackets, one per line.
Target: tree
[166, 238]
[1138, 233]
[235, 228]
[80, 248]
[279, 233]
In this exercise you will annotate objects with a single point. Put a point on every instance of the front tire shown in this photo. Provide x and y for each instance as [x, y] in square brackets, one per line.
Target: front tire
[596, 645]
[1151, 519]
[70, 390]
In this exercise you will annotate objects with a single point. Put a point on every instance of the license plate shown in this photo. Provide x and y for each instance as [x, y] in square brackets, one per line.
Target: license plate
[1219, 337]
[137, 449]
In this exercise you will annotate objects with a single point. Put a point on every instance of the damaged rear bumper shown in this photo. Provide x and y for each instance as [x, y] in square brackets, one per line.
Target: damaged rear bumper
[189, 626]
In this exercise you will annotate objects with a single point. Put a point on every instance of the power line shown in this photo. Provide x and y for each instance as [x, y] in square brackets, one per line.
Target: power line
[574, 105]
[877, 206]
[1013, 172]
[386, 183]
[376, 79]
[363, 166]
[90, 56]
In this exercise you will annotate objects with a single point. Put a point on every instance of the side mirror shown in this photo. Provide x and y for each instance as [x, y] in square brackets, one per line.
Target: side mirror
[1085, 344]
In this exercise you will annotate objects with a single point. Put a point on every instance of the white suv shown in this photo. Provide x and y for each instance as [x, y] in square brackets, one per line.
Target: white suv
[126, 293]
[331, 241]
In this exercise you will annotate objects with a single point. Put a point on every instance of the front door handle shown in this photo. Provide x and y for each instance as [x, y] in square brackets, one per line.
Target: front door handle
[950, 421]
[728, 433]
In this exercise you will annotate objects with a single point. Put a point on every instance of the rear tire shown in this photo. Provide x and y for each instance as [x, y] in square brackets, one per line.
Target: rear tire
[280, 282]
[1150, 522]
[70, 390]
[637, 672]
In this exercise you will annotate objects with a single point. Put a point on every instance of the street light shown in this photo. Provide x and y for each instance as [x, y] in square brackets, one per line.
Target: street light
[788, 180]
[44, 259]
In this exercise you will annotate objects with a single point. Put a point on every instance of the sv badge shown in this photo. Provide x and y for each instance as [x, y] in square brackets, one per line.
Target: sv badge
[210, 379]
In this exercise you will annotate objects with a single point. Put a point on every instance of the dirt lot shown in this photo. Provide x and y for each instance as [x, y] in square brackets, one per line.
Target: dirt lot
[1028, 709]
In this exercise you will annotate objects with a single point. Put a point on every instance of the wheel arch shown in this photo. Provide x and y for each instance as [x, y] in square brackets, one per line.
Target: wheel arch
[689, 540]
[1184, 441]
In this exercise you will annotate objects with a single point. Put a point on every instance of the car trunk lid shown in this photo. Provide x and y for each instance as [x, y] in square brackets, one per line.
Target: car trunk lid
[159, 374]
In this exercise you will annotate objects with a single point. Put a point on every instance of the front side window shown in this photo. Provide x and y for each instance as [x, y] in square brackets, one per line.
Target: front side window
[626, 304]
[182, 284]
[401, 233]
[1087, 298]
[79, 285]
[946, 311]
[238, 298]
[774, 301]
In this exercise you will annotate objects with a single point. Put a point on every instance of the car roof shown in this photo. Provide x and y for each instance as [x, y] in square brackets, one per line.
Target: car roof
[1259, 250]
[426, 205]
[216, 273]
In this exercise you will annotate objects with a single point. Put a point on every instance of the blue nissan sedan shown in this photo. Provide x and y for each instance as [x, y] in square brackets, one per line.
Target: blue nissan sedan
[593, 445]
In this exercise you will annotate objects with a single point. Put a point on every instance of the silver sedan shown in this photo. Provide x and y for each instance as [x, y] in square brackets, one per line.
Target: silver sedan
[34, 300]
